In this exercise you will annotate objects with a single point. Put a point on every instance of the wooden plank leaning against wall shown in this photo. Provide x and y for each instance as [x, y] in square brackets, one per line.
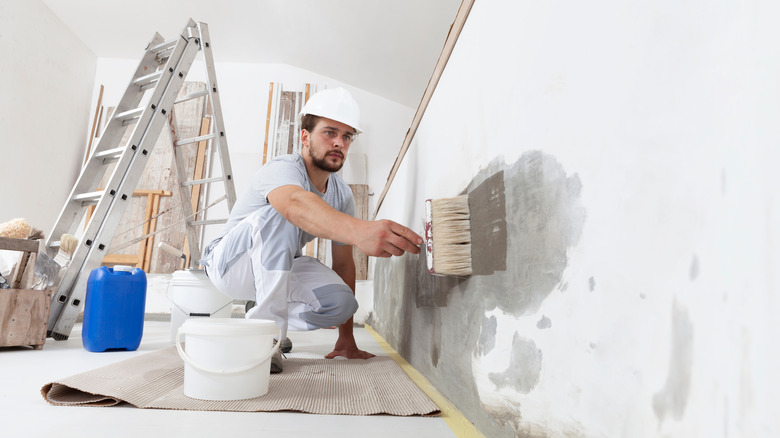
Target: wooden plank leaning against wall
[156, 202]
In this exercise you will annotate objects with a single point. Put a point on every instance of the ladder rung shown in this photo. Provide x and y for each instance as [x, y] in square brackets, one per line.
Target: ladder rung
[191, 96]
[196, 139]
[196, 182]
[90, 198]
[148, 80]
[167, 45]
[165, 54]
[131, 116]
[110, 154]
[207, 222]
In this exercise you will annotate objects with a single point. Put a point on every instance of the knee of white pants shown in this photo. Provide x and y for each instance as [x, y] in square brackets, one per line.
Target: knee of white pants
[337, 304]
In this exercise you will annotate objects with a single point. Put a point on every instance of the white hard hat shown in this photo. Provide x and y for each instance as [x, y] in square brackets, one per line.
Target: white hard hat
[335, 104]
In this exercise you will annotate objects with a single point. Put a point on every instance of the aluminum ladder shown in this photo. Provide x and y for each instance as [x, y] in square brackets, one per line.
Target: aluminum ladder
[159, 77]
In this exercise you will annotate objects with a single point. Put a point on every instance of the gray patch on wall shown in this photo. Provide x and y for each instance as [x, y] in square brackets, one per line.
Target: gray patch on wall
[673, 397]
[487, 336]
[544, 323]
[442, 329]
[694, 271]
[525, 366]
[487, 207]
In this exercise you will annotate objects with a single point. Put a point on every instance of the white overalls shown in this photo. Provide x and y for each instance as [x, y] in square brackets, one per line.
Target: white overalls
[259, 260]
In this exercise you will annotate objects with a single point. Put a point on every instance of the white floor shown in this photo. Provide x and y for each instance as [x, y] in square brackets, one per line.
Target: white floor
[24, 413]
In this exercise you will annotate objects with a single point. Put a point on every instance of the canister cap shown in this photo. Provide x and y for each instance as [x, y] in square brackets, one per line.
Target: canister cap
[123, 268]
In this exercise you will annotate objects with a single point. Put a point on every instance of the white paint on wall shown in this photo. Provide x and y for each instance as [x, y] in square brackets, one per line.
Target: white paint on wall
[46, 75]
[666, 321]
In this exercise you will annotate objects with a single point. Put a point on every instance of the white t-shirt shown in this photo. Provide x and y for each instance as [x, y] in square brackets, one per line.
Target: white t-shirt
[281, 171]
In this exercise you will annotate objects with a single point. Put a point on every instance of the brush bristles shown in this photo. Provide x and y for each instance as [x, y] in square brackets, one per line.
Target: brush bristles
[451, 233]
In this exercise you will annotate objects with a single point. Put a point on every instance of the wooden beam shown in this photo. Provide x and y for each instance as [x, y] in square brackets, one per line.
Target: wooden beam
[449, 45]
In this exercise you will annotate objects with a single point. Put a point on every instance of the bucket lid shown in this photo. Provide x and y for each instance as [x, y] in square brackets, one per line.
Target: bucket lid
[229, 326]
[189, 274]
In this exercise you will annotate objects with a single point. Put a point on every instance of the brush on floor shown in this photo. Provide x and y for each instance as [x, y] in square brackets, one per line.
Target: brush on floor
[448, 236]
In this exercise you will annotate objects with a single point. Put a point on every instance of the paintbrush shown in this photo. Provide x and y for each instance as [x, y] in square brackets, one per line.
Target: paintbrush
[68, 244]
[448, 236]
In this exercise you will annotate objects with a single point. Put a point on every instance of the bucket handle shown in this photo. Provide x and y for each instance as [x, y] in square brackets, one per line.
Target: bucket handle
[192, 363]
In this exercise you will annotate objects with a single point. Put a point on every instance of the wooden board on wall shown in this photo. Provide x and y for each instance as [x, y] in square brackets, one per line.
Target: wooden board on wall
[360, 193]
[160, 174]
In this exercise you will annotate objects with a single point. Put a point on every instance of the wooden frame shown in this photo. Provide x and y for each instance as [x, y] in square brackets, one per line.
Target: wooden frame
[143, 259]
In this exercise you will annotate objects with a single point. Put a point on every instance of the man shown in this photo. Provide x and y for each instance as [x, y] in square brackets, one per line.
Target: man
[291, 200]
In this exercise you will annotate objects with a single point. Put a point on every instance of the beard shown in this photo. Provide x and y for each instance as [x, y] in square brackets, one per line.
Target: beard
[324, 164]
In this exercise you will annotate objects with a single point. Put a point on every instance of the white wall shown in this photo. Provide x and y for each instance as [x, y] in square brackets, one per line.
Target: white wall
[666, 320]
[47, 76]
[244, 98]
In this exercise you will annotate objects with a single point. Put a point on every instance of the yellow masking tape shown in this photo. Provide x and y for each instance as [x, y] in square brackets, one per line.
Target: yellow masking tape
[462, 427]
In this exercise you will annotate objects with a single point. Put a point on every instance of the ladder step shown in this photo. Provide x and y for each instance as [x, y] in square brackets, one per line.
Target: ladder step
[196, 182]
[90, 198]
[162, 47]
[110, 155]
[129, 117]
[148, 81]
[207, 222]
[196, 139]
[191, 96]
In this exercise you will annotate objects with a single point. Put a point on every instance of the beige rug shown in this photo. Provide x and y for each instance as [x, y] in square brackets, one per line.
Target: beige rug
[318, 386]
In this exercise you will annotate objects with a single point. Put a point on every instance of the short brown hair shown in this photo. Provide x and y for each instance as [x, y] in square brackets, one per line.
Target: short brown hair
[309, 121]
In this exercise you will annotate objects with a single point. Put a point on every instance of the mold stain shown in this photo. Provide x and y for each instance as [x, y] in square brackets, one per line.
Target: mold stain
[544, 323]
[438, 323]
[592, 284]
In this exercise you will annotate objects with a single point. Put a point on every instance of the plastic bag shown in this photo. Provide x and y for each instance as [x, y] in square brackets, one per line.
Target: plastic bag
[46, 272]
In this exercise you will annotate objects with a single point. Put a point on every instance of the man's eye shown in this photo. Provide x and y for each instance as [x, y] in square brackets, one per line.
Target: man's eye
[347, 138]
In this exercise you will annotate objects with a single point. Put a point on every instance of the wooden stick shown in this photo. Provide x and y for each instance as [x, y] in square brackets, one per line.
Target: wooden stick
[200, 162]
[268, 120]
[449, 44]
[144, 243]
[152, 229]
[94, 125]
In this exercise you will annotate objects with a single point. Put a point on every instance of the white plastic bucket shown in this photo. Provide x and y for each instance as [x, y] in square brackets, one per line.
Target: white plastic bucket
[226, 358]
[193, 295]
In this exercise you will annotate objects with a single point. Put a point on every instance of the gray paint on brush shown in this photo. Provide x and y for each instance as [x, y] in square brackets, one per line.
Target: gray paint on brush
[439, 324]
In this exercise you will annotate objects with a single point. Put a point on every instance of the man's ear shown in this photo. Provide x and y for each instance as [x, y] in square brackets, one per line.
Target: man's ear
[305, 137]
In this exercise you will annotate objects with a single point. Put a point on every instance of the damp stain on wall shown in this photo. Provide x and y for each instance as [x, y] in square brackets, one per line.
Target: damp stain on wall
[487, 336]
[673, 397]
[521, 240]
[525, 366]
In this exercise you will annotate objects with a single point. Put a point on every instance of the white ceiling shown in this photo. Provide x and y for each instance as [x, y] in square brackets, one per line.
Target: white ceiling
[388, 48]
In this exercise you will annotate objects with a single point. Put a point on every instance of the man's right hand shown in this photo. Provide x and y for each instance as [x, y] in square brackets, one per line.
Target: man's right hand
[385, 238]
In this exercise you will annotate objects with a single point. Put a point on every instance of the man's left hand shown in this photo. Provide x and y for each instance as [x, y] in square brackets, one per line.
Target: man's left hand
[346, 347]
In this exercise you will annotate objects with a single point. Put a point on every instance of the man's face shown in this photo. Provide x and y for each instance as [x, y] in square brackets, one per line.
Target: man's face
[328, 144]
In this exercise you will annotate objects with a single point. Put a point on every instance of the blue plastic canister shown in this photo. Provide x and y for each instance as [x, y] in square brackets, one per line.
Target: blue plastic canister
[114, 309]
